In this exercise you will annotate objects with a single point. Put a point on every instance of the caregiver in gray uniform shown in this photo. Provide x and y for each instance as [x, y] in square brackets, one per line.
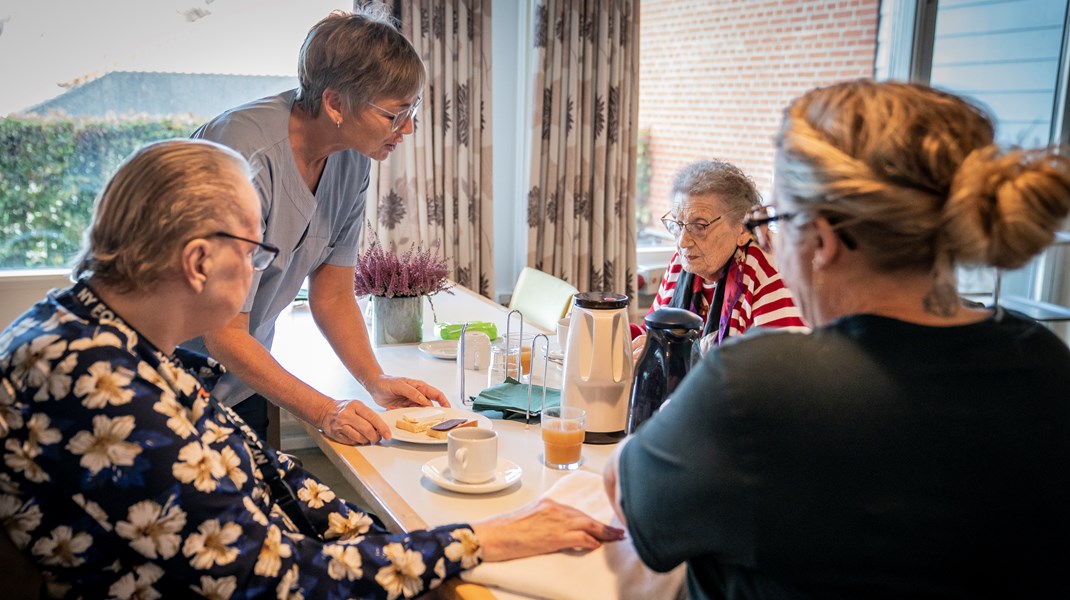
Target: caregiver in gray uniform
[311, 148]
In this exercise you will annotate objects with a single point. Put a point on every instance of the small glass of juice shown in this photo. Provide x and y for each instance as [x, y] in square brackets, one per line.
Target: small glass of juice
[503, 359]
[562, 437]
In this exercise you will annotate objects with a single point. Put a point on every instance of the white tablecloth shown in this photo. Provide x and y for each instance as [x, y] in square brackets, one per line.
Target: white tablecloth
[612, 571]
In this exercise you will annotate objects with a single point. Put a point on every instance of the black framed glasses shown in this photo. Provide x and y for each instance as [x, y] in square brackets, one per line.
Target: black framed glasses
[763, 223]
[697, 229]
[264, 254]
[399, 119]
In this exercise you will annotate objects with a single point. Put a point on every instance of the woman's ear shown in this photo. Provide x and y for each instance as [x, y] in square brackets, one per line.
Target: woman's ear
[332, 106]
[828, 245]
[196, 264]
[744, 236]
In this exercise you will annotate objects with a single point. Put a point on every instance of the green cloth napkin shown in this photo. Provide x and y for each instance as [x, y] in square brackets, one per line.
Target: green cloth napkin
[511, 398]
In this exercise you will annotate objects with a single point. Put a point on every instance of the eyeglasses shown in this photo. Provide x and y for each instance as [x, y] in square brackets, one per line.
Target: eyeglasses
[264, 254]
[762, 224]
[697, 229]
[399, 119]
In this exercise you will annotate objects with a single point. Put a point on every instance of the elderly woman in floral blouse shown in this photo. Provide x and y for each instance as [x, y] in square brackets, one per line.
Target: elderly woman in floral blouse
[122, 476]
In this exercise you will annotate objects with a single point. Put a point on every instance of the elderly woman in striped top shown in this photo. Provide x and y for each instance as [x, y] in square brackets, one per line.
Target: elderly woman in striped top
[717, 271]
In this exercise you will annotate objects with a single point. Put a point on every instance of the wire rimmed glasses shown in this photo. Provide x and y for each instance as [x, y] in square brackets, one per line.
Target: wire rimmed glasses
[697, 229]
[399, 119]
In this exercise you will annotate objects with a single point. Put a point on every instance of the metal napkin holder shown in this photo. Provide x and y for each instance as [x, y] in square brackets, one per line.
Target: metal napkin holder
[520, 357]
[466, 401]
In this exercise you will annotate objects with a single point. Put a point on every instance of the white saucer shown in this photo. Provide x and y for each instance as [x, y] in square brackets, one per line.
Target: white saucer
[438, 471]
[391, 417]
[444, 349]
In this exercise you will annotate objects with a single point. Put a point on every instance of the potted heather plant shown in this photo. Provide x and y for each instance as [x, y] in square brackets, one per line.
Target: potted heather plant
[397, 286]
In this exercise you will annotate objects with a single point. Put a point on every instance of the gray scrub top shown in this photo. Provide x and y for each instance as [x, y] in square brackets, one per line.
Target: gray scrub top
[310, 230]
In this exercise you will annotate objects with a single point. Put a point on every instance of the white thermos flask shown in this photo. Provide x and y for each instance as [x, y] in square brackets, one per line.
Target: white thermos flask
[598, 364]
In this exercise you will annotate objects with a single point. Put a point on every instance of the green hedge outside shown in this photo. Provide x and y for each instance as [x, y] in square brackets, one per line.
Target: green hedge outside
[51, 170]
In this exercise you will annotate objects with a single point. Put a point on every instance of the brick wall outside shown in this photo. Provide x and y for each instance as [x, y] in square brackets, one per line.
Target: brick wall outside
[717, 74]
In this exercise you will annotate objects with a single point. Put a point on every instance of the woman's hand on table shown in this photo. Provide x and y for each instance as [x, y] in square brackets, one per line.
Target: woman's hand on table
[399, 392]
[352, 422]
[542, 527]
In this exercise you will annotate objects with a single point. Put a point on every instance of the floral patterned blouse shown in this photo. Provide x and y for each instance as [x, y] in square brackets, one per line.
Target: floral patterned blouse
[121, 479]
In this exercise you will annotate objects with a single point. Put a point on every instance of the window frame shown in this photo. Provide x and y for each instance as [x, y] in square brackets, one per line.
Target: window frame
[1048, 281]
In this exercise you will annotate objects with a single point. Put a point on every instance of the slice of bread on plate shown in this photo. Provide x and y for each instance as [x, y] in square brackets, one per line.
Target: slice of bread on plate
[418, 421]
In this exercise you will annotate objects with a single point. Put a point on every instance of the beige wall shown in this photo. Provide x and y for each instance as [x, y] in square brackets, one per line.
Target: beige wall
[19, 291]
[716, 75]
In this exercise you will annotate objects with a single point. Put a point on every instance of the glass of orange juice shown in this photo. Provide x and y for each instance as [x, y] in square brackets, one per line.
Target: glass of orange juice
[562, 437]
[517, 343]
[503, 358]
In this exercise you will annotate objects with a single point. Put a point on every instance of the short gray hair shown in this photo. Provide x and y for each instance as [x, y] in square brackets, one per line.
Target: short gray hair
[162, 196]
[361, 55]
[723, 179]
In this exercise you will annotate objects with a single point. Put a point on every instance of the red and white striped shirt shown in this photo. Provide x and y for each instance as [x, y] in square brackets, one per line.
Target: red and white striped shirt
[764, 300]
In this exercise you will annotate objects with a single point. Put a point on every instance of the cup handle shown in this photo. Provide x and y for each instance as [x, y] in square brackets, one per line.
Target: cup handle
[462, 457]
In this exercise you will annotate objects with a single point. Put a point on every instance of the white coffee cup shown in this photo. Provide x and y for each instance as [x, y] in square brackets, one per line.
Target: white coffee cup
[473, 454]
[476, 351]
[562, 332]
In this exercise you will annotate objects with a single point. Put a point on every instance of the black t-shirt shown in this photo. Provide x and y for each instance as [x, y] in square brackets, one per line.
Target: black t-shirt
[872, 458]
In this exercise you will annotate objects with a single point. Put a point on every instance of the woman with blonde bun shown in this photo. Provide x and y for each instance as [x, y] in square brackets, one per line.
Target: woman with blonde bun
[911, 445]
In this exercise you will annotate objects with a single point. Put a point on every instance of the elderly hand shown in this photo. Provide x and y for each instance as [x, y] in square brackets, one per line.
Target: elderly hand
[542, 527]
[352, 422]
[398, 392]
[637, 348]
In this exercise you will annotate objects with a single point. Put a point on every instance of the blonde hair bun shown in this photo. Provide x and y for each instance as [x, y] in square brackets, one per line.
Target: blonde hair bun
[1004, 207]
[914, 175]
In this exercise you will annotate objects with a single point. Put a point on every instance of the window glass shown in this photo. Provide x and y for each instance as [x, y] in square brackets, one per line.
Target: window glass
[1004, 55]
[87, 82]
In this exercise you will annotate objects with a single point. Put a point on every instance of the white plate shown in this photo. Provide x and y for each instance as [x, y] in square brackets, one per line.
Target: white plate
[391, 417]
[438, 471]
[444, 349]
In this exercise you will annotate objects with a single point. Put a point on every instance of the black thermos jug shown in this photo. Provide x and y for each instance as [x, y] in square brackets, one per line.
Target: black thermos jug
[671, 334]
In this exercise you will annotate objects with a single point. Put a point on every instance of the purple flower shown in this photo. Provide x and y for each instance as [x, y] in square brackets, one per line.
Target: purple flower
[417, 272]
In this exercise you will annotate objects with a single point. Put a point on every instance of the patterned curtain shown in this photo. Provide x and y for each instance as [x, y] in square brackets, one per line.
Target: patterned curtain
[581, 204]
[437, 187]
